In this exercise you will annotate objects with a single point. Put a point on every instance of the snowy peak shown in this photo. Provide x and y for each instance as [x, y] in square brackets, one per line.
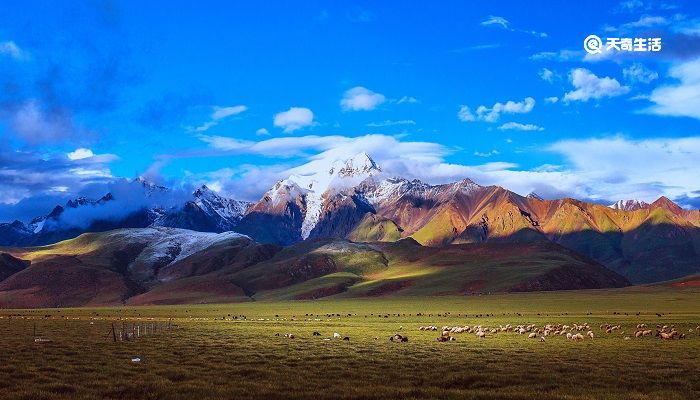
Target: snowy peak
[228, 210]
[148, 186]
[629, 205]
[360, 164]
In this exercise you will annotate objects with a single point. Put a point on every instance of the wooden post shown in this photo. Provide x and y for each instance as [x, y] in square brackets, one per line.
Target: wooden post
[114, 332]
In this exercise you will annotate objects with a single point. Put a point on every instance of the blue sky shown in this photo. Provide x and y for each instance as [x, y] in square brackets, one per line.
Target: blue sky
[240, 94]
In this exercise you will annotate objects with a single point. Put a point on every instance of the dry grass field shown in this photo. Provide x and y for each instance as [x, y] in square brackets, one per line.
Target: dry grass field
[231, 351]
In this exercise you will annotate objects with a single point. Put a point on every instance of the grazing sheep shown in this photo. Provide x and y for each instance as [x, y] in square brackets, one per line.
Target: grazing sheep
[590, 334]
[316, 333]
[346, 338]
[569, 336]
[336, 335]
[445, 338]
[481, 334]
[533, 335]
[541, 338]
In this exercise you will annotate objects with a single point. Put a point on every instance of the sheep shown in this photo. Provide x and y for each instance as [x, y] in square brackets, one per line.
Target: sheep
[533, 335]
[336, 335]
[481, 334]
[541, 338]
[577, 337]
[569, 336]
[590, 334]
[316, 333]
[398, 338]
[346, 338]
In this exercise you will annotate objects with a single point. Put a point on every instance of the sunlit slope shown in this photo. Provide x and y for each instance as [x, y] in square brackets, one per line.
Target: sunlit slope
[658, 242]
[173, 266]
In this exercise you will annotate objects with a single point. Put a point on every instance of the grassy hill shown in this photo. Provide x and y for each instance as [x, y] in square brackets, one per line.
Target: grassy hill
[173, 266]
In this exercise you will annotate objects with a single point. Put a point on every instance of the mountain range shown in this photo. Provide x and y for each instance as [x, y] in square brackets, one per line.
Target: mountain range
[355, 200]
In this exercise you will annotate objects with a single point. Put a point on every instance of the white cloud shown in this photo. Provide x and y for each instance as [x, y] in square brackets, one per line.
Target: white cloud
[361, 99]
[589, 86]
[391, 123]
[220, 113]
[503, 23]
[637, 72]
[645, 21]
[492, 114]
[561, 55]
[223, 112]
[487, 154]
[546, 75]
[597, 169]
[516, 126]
[465, 114]
[294, 119]
[495, 20]
[80, 154]
[681, 99]
[11, 49]
[262, 132]
[551, 100]
[407, 99]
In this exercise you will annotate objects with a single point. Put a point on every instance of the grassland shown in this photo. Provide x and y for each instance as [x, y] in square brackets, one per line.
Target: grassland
[231, 351]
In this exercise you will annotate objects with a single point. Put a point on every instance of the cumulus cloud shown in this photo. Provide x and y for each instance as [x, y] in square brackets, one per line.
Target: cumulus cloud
[681, 99]
[492, 114]
[593, 169]
[516, 126]
[29, 174]
[638, 73]
[546, 75]
[293, 119]
[465, 114]
[262, 132]
[589, 86]
[219, 113]
[361, 99]
[551, 100]
[80, 153]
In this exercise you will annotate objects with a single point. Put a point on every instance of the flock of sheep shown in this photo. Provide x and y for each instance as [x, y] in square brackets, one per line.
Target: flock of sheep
[572, 332]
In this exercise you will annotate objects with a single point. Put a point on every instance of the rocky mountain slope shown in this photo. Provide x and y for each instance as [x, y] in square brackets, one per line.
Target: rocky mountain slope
[354, 199]
[172, 266]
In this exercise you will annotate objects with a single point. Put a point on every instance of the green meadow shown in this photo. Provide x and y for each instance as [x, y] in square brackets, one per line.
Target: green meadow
[232, 351]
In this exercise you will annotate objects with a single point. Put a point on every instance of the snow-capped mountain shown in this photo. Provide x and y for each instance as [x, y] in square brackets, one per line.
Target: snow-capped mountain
[354, 199]
[629, 205]
[135, 204]
[341, 175]
[293, 207]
